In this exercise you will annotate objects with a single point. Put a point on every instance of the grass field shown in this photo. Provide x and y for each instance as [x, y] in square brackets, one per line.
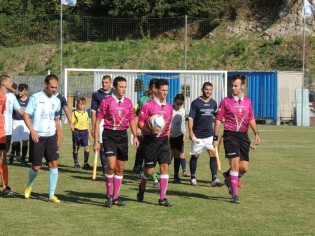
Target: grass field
[277, 197]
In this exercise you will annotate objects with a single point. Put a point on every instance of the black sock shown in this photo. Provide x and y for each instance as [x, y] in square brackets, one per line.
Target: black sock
[183, 164]
[139, 158]
[176, 166]
[24, 151]
[14, 147]
[227, 173]
[193, 166]
[214, 168]
[103, 160]
[75, 157]
[86, 157]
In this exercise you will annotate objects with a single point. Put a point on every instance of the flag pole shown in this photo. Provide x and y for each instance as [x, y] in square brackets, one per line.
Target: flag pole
[303, 69]
[61, 44]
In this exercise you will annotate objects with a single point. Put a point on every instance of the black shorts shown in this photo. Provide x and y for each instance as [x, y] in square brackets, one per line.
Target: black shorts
[3, 147]
[8, 142]
[46, 147]
[115, 143]
[177, 143]
[236, 144]
[156, 149]
[80, 138]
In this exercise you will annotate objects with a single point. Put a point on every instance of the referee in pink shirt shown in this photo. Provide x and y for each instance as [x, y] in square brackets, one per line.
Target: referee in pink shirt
[237, 113]
[117, 112]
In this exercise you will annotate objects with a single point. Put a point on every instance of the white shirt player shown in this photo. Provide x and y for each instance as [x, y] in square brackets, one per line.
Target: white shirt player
[11, 104]
[43, 111]
[178, 123]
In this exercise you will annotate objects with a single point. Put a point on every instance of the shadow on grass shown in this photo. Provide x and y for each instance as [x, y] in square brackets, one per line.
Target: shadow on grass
[129, 176]
[85, 198]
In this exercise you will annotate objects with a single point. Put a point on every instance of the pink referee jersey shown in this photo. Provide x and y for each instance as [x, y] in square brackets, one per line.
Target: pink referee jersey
[116, 113]
[236, 112]
[154, 107]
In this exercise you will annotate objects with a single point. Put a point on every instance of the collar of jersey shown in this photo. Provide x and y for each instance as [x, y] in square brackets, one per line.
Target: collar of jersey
[103, 91]
[159, 103]
[117, 100]
[237, 99]
[204, 100]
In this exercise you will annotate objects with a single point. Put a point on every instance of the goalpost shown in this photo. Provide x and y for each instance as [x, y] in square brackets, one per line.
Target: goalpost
[187, 82]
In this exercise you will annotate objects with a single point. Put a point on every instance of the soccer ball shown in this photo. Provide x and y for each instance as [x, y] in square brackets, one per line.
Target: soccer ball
[156, 123]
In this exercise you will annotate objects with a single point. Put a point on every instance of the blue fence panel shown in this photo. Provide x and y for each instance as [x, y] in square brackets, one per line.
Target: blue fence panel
[262, 89]
[172, 78]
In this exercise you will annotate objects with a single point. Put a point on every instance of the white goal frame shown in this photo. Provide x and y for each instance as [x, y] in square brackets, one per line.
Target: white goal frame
[192, 78]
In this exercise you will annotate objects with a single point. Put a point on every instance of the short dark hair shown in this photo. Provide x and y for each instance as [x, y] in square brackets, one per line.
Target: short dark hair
[3, 78]
[238, 76]
[161, 82]
[14, 85]
[81, 99]
[179, 97]
[107, 77]
[205, 84]
[50, 77]
[153, 82]
[22, 87]
[118, 79]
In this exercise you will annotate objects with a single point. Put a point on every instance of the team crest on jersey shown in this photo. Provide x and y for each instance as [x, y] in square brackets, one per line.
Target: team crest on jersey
[239, 109]
[119, 111]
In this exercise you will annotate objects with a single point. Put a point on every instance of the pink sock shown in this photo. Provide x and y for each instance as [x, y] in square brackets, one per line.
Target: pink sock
[143, 182]
[163, 185]
[233, 182]
[109, 179]
[117, 184]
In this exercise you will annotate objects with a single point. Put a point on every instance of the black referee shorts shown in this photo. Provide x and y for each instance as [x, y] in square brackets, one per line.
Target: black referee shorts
[177, 143]
[236, 144]
[156, 149]
[115, 143]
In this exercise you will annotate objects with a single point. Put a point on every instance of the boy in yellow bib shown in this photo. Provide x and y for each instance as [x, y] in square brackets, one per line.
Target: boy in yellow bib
[81, 133]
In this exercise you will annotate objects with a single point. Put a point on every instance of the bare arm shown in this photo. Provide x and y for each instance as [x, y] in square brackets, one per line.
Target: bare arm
[27, 121]
[142, 127]
[95, 134]
[20, 111]
[58, 131]
[89, 130]
[138, 129]
[68, 115]
[216, 132]
[133, 127]
[192, 135]
[253, 125]
[93, 119]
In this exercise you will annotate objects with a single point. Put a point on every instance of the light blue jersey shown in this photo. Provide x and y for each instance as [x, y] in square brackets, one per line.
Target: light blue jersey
[43, 111]
[11, 104]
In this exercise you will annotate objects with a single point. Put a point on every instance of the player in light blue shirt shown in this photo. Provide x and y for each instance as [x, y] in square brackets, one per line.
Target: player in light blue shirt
[42, 118]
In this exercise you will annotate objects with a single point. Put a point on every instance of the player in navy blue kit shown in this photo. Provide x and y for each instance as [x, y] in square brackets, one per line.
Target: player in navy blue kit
[20, 132]
[200, 125]
[97, 98]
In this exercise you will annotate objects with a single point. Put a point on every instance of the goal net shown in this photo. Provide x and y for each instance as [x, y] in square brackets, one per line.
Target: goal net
[188, 83]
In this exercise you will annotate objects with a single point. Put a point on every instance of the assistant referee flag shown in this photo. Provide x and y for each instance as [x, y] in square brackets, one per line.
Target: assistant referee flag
[70, 3]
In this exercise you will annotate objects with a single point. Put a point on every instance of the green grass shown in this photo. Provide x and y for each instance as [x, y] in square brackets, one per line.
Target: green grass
[277, 197]
[218, 53]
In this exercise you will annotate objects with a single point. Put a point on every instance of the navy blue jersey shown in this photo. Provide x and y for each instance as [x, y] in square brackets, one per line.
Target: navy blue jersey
[63, 103]
[202, 114]
[23, 104]
[97, 97]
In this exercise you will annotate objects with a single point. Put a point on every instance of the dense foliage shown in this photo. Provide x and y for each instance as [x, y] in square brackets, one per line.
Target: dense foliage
[124, 8]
